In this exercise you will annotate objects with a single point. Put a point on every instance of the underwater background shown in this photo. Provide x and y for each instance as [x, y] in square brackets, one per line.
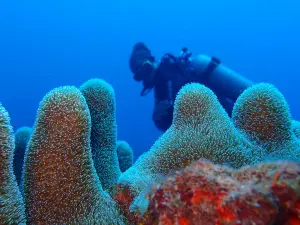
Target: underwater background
[46, 44]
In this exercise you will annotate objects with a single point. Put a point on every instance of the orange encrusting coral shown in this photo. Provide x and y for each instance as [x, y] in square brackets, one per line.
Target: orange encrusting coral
[124, 198]
[209, 194]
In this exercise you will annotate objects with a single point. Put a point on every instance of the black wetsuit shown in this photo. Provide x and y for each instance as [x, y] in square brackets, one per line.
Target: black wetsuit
[169, 78]
[172, 73]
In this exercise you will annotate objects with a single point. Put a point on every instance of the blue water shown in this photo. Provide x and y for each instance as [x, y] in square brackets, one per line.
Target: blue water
[46, 44]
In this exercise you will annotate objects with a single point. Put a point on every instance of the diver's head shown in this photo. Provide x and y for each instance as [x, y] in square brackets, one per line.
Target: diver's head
[142, 63]
[143, 66]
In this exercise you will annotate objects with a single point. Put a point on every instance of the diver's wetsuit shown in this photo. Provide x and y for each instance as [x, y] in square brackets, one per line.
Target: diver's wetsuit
[168, 80]
[172, 73]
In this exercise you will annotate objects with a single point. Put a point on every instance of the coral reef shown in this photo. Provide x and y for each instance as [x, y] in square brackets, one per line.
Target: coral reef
[209, 194]
[100, 98]
[73, 162]
[125, 155]
[262, 101]
[22, 137]
[61, 185]
[11, 202]
[200, 129]
[262, 115]
[124, 199]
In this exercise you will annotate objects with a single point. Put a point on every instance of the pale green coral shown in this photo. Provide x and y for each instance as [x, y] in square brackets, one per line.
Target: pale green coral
[22, 137]
[11, 202]
[200, 129]
[125, 155]
[262, 115]
[61, 185]
[100, 98]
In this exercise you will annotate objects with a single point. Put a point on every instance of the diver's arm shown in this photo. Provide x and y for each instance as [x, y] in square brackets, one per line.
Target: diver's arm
[163, 108]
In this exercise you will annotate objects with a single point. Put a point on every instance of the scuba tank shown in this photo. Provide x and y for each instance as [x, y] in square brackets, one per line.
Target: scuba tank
[219, 78]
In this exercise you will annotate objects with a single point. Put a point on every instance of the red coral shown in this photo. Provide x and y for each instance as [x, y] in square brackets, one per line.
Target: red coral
[124, 198]
[209, 194]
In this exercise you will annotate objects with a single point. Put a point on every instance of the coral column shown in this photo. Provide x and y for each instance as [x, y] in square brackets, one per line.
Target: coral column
[11, 202]
[60, 182]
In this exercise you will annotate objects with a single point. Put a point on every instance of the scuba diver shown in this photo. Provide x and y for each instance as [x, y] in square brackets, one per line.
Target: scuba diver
[169, 75]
